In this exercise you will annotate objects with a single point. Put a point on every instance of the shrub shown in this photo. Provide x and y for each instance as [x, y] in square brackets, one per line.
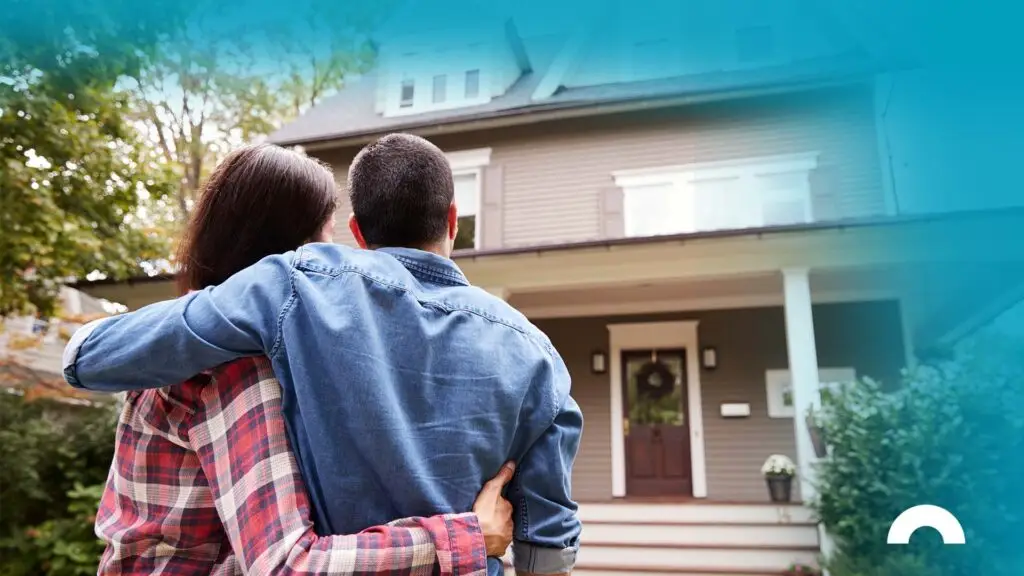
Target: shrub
[56, 458]
[951, 435]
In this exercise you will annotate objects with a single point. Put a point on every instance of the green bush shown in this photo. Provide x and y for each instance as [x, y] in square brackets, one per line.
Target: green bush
[951, 435]
[56, 458]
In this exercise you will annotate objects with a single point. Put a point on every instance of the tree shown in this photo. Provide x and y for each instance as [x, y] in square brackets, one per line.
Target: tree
[72, 173]
[233, 74]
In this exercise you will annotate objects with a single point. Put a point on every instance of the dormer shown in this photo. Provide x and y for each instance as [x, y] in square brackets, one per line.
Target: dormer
[447, 66]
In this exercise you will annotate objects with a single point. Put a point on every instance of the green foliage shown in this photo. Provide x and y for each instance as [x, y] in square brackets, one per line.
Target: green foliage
[71, 167]
[56, 460]
[950, 435]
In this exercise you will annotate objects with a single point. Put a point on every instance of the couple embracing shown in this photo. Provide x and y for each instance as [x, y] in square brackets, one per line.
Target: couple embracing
[310, 408]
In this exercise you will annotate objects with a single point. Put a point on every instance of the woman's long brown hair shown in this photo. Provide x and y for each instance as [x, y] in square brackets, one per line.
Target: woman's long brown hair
[260, 200]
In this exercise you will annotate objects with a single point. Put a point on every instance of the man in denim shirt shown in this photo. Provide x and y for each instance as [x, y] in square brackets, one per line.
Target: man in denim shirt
[405, 388]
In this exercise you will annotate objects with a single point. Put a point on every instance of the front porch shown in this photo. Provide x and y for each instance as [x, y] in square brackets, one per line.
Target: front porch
[783, 311]
[709, 437]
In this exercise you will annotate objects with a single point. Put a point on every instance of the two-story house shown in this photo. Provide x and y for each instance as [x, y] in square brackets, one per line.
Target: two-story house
[698, 212]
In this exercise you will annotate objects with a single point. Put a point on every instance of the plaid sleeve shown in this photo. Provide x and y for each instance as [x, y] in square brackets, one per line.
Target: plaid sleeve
[156, 515]
[238, 432]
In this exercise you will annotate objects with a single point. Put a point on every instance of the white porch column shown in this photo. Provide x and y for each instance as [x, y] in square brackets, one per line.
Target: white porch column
[803, 369]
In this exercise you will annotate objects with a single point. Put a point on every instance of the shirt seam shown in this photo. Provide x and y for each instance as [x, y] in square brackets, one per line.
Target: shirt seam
[440, 304]
[292, 295]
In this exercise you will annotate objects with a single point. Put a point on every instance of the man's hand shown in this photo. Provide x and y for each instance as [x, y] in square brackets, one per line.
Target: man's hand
[495, 513]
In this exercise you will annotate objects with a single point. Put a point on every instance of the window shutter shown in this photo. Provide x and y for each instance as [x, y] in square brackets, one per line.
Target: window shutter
[491, 215]
[613, 224]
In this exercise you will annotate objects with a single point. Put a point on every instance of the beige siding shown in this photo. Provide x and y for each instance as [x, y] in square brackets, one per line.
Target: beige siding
[866, 336]
[556, 175]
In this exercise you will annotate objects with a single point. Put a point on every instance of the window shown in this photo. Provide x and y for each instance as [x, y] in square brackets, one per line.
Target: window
[780, 391]
[730, 195]
[755, 44]
[472, 84]
[440, 88]
[467, 200]
[408, 93]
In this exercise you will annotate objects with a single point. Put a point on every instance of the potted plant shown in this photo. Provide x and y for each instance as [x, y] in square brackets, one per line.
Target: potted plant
[778, 471]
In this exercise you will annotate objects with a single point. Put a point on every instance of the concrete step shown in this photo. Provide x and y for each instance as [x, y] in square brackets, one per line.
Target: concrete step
[690, 560]
[632, 513]
[670, 535]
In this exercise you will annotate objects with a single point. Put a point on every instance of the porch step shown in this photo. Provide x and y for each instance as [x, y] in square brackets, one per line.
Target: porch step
[695, 514]
[670, 535]
[693, 539]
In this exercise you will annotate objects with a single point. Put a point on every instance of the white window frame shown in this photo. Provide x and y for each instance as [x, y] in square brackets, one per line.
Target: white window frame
[473, 162]
[775, 382]
[423, 88]
[680, 176]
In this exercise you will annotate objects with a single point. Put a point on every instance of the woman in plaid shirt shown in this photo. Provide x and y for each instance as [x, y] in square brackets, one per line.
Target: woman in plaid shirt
[203, 479]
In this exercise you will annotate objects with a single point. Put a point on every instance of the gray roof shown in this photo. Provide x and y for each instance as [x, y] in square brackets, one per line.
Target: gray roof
[350, 113]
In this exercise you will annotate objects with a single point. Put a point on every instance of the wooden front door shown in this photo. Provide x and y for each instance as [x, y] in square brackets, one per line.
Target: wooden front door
[655, 423]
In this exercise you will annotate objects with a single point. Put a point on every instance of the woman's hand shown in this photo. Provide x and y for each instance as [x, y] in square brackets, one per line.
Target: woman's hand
[495, 513]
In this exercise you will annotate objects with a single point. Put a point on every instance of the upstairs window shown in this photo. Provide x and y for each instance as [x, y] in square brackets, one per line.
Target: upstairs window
[467, 201]
[408, 93]
[732, 195]
[440, 88]
[472, 84]
[467, 172]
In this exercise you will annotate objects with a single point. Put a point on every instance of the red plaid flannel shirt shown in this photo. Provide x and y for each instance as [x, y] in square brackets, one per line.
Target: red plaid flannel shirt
[204, 482]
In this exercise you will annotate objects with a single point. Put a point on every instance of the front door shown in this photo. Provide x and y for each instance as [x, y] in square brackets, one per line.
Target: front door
[655, 423]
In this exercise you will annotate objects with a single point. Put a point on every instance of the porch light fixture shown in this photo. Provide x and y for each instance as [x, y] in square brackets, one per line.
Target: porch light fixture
[709, 358]
[598, 362]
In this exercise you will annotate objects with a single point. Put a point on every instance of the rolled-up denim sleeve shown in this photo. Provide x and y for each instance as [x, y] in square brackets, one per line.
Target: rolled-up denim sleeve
[547, 525]
[168, 342]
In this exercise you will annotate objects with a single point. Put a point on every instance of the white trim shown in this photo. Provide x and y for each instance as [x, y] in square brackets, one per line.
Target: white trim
[802, 357]
[463, 160]
[657, 335]
[694, 304]
[803, 161]
[677, 188]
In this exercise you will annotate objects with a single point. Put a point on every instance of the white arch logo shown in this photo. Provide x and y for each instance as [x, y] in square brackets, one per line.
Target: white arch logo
[926, 516]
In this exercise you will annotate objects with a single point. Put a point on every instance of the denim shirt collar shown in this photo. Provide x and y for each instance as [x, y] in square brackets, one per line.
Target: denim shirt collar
[428, 266]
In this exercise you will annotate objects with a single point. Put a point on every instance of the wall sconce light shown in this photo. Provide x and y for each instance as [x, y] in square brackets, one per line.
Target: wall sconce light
[709, 358]
[598, 362]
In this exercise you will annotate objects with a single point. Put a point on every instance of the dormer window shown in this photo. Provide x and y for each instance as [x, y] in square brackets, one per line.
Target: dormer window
[472, 84]
[440, 88]
[408, 93]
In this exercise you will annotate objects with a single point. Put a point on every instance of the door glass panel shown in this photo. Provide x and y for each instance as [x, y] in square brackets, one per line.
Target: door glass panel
[654, 388]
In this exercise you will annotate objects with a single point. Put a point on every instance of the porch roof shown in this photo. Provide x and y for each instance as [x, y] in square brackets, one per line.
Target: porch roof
[966, 237]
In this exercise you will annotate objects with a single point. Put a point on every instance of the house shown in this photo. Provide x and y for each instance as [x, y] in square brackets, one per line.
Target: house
[705, 239]
[30, 351]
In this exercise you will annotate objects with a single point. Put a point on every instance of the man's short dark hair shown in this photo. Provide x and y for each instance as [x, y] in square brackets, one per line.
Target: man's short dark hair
[401, 187]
